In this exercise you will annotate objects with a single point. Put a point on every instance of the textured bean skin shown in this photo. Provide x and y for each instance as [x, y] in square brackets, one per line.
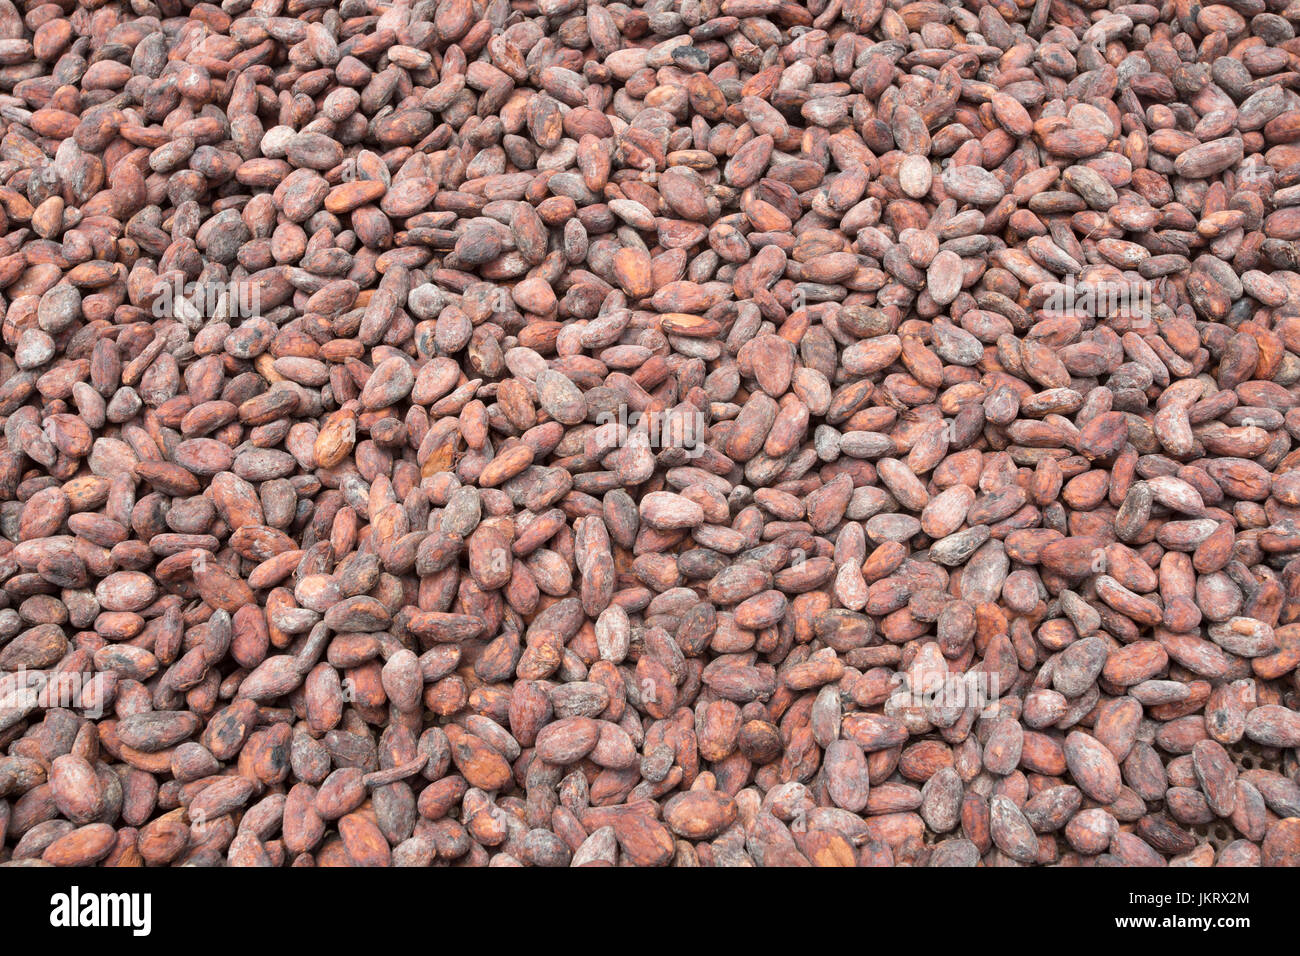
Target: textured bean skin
[696, 432]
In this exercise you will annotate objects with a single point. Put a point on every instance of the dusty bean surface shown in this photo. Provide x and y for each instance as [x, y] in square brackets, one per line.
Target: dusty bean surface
[681, 432]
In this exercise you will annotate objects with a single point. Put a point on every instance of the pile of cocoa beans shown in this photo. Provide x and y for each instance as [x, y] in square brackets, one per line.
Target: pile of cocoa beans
[680, 432]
